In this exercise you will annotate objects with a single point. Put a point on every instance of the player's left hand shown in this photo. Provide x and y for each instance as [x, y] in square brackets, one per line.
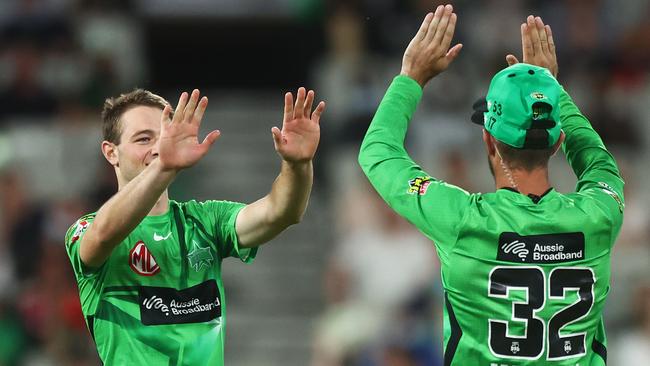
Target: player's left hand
[429, 54]
[300, 134]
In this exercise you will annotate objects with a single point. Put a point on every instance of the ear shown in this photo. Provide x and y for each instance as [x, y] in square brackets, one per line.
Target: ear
[559, 142]
[109, 150]
[489, 143]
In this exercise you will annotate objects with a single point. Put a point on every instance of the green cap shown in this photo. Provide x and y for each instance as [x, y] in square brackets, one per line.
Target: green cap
[522, 98]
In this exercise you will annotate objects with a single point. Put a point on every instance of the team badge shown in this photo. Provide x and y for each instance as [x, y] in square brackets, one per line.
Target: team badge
[514, 348]
[142, 261]
[419, 185]
[80, 229]
[199, 257]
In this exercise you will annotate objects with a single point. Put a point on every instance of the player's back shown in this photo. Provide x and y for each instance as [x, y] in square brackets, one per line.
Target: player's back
[526, 282]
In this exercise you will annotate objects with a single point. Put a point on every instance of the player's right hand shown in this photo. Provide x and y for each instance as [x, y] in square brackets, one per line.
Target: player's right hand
[429, 54]
[179, 146]
[537, 45]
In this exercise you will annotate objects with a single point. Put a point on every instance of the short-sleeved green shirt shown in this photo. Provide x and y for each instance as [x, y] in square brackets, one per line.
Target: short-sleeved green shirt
[159, 298]
[525, 278]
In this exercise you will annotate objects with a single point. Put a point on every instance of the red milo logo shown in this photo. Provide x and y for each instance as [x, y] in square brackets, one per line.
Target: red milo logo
[142, 261]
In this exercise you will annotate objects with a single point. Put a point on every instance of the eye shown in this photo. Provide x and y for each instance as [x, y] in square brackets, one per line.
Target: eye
[143, 139]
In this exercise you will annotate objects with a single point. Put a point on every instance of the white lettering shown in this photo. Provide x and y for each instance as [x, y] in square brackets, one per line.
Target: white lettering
[185, 304]
[556, 256]
[549, 248]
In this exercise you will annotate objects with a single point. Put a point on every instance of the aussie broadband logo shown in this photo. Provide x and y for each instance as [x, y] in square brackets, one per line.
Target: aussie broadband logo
[163, 305]
[547, 248]
[142, 261]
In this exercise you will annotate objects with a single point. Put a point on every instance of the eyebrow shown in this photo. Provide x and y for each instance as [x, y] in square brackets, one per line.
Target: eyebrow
[143, 132]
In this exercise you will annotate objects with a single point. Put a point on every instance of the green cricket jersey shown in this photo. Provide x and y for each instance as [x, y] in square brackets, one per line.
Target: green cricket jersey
[159, 299]
[525, 282]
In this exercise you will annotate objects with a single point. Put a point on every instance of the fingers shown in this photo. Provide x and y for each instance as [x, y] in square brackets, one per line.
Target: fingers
[211, 137]
[453, 52]
[511, 60]
[424, 27]
[526, 43]
[299, 107]
[442, 26]
[539, 24]
[534, 35]
[302, 107]
[188, 113]
[180, 108]
[308, 103]
[449, 32]
[320, 108]
[549, 36]
[433, 25]
[199, 111]
[288, 107]
[166, 114]
[277, 136]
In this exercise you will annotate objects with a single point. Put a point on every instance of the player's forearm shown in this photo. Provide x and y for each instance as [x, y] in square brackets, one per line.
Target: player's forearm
[583, 146]
[289, 195]
[122, 213]
[382, 151]
[284, 206]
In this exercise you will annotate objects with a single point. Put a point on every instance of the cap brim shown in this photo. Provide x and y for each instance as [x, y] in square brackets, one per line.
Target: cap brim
[479, 107]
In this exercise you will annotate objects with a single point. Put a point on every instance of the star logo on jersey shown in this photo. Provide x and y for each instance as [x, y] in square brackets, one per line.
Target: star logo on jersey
[199, 257]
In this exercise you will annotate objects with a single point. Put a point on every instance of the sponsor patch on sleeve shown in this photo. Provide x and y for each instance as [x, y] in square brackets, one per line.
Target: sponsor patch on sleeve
[81, 227]
[419, 185]
[610, 191]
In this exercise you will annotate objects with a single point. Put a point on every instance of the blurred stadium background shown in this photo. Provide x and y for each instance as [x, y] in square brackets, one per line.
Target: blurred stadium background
[352, 284]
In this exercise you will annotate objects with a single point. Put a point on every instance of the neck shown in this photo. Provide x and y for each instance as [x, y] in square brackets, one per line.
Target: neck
[527, 182]
[161, 206]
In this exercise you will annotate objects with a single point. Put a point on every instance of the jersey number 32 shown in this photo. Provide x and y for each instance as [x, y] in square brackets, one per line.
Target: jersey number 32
[562, 281]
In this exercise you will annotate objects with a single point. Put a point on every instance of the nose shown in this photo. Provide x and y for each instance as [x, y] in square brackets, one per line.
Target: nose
[154, 150]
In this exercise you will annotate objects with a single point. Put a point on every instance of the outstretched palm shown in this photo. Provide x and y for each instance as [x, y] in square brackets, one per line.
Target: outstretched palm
[300, 134]
[179, 146]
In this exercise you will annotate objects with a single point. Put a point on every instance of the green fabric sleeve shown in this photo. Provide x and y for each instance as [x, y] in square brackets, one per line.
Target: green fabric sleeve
[594, 166]
[434, 207]
[72, 240]
[223, 215]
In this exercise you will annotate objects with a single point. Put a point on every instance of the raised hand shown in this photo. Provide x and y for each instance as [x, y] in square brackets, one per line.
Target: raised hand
[298, 139]
[179, 146]
[429, 54]
[537, 45]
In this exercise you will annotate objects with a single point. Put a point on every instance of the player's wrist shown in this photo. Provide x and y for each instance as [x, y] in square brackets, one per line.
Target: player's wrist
[417, 76]
[297, 165]
[164, 172]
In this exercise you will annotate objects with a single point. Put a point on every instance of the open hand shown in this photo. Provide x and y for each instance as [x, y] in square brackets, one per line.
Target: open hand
[300, 134]
[179, 146]
[428, 54]
[537, 45]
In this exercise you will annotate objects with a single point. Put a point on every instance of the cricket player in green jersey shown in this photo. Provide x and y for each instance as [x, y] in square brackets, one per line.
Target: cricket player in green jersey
[149, 268]
[525, 269]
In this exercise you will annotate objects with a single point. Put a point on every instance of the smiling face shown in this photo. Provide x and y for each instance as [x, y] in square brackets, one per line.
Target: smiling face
[131, 127]
[138, 142]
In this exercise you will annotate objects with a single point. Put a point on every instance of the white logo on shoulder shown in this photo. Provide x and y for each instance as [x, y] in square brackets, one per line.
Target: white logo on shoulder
[158, 237]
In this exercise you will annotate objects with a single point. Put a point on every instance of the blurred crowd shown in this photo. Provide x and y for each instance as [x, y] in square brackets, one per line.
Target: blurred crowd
[382, 299]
